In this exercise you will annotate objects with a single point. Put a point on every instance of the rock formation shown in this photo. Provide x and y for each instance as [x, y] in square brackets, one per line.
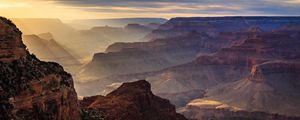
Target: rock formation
[271, 87]
[139, 57]
[184, 39]
[11, 47]
[31, 89]
[269, 93]
[208, 52]
[131, 101]
[227, 65]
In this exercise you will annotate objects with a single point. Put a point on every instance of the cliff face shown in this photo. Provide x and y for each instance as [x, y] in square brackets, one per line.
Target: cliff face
[31, 89]
[11, 45]
[131, 101]
[271, 87]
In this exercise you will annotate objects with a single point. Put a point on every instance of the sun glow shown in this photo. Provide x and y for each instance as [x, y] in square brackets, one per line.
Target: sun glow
[40, 9]
[91, 9]
[12, 5]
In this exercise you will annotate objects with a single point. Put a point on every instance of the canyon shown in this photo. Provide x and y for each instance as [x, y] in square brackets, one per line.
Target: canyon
[31, 89]
[201, 54]
[208, 67]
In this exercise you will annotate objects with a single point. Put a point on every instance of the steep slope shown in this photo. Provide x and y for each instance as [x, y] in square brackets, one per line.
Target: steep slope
[12, 47]
[131, 101]
[271, 87]
[31, 89]
[48, 49]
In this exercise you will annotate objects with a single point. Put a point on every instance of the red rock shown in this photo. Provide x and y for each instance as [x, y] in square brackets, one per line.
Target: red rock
[132, 101]
[31, 89]
[11, 46]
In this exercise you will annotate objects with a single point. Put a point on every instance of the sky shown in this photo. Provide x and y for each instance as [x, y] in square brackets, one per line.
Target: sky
[100, 9]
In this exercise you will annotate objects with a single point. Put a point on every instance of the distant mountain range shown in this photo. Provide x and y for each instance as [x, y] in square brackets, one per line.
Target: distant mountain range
[117, 22]
[80, 44]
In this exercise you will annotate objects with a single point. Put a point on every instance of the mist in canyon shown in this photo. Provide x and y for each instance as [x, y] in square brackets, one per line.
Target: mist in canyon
[149, 60]
[240, 65]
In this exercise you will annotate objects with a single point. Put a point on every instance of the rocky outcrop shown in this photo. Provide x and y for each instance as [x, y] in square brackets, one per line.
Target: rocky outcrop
[131, 101]
[11, 46]
[31, 89]
[269, 93]
[271, 87]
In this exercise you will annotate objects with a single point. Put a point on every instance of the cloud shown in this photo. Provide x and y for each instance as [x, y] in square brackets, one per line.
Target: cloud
[226, 7]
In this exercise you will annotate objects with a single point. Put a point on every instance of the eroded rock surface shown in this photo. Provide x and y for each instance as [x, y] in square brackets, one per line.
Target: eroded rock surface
[31, 89]
[131, 101]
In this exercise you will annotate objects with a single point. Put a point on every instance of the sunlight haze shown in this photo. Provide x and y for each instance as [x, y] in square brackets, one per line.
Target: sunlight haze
[97, 9]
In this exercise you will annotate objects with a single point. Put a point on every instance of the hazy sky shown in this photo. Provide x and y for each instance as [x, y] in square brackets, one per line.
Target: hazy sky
[80, 9]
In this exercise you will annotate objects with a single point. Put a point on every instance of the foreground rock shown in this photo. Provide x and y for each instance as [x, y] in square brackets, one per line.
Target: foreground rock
[31, 89]
[131, 101]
